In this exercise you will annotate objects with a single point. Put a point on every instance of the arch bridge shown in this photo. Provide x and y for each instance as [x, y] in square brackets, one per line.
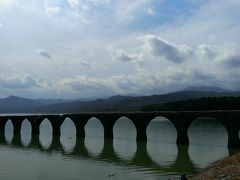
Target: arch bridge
[181, 121]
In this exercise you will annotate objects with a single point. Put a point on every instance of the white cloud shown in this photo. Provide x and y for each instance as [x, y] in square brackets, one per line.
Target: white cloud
[6, 2]
[151, 11]
[52, 10]
[100, 1]
[215, 22]
[85, 35]
[128, 11]
[74, 3]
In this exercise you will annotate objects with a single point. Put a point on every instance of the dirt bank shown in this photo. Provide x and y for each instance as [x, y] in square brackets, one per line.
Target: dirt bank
[224, 169]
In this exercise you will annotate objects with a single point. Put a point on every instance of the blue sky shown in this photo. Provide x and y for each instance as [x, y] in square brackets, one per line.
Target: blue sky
[84, 48]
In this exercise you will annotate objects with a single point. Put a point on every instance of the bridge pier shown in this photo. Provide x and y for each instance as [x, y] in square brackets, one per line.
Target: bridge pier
[56, 122]
[3, 122]
[80, 148]
[108, 150]
[17, 123]
[141, 124]
[35, 124]
[56, 144]
[233, 140]
[35, 141]
[142, 133]
[80, 123]
[182, 124]
[231, 121]
[233, 137]
[108, 123]
[17, 141]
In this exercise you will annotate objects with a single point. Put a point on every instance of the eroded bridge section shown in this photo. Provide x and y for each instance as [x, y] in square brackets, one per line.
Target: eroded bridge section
[181, 121]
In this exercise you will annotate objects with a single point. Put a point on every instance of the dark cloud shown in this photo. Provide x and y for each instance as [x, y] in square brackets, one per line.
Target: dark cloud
[124, 57]
[232, 62]
[44, 53]
[161, 48]
[18, 83]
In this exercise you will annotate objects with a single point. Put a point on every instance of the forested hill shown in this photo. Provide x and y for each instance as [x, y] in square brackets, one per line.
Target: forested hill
[206, 103]
[128, 103]
[115, 103]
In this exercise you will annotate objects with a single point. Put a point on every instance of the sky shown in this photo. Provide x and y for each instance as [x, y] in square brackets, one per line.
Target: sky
[98, 48]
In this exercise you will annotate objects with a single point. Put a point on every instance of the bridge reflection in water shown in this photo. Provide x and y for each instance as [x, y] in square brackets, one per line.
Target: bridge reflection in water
[140, 160]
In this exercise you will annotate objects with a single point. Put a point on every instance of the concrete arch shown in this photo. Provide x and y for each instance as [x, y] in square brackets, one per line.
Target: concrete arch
[94, 139]
[67, 126]
[45, 136]
[26, 131]
[122, 124]
[197, 135]
[9, 131]
[46, 125]
[124, 132]
[161, 135]
[68, 135]
[158, 124]
[24, 123]
[207, 133]
[92, 124]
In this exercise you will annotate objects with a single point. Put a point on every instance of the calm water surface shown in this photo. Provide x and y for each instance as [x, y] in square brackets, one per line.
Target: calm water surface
[67, 157]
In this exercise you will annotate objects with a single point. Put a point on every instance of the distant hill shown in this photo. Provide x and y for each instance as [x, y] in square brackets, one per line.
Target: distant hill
[128, 103]
[51, 101]
[199, 104]
[207, 88]
[15, 104]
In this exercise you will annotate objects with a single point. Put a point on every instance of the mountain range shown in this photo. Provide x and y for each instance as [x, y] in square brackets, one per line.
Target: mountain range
[14, 104]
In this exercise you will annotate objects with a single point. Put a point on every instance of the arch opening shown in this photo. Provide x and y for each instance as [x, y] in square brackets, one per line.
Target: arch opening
[8, 132]
[161, 145]
[25, 132]
[207, 137]
[94, 136]
[68, 135]
[45, 135]
[124, 141]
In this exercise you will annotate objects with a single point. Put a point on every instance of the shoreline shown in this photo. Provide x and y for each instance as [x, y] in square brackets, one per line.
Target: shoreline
[227, 168]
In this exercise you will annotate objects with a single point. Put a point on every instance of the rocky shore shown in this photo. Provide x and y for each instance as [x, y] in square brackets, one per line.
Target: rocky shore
[224, 169]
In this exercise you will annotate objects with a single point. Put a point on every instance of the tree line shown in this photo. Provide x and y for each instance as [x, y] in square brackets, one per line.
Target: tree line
[206, 103]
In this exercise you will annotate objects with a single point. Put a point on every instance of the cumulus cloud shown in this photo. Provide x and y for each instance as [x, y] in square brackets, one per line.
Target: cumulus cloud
[125, 57]
[201, 47]
[164, 49]
[44, 53]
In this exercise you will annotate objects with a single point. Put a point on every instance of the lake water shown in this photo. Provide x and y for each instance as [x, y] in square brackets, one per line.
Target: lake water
[67, 157]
